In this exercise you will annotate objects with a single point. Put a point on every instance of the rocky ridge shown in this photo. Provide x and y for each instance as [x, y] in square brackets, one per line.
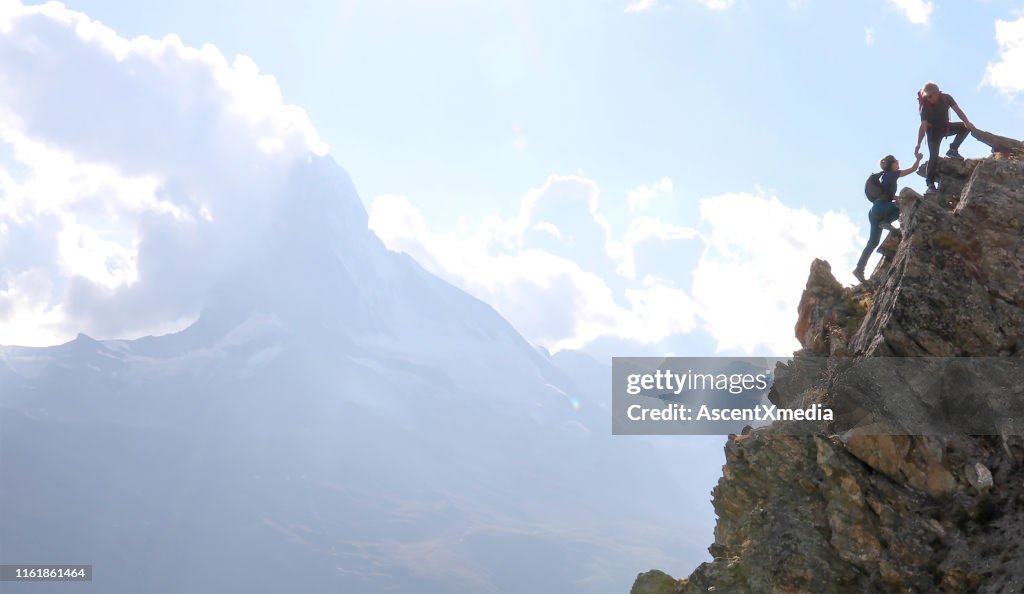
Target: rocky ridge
[849, 508]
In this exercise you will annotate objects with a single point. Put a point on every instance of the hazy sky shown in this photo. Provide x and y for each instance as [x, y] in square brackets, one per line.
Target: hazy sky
[643, 176]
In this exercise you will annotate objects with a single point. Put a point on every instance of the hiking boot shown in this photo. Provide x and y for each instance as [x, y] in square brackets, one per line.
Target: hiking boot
[952, 153]
[931, 189]
[859, 275]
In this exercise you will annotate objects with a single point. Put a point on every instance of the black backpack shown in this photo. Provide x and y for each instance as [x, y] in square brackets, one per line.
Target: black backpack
[873, 187]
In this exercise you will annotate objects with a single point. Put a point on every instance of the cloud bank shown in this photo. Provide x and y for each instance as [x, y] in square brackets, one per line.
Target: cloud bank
[562, 276]
[1007, 74]
[135, 172]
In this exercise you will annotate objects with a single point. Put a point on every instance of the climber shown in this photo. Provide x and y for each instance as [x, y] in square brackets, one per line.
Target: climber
[883, 209]
[934, 106]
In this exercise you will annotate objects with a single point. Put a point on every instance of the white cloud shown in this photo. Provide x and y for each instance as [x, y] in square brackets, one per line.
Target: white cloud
[869, 36]
[644, 5]
[718, 4]
[23, 304]
[144, 169]
[83, 252]
[559, 274]
[645, 230]
[640, 197]
[748, 283]
[547, 269]
[1007, 74]
[641, 5]
[918, 12]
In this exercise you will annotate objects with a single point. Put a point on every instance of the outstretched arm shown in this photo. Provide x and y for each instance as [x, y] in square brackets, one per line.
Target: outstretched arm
[963, 117]
[913, 167]
[920, 136]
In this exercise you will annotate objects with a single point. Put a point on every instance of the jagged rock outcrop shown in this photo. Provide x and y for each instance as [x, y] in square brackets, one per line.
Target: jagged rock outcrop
[853, 509]
[1002, 147]
[655, 582]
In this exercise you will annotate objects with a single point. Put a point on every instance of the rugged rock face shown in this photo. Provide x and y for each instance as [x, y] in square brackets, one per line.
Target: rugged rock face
[1002, 147]
[850, 510]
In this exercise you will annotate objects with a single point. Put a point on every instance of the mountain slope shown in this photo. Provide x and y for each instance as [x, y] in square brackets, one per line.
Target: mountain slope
[337, 419]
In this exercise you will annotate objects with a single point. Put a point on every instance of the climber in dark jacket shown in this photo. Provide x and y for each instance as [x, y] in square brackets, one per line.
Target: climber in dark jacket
[934, 106]
[884, 210]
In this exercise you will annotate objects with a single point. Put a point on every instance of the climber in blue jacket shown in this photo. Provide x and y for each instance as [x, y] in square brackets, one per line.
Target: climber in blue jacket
[884, 210]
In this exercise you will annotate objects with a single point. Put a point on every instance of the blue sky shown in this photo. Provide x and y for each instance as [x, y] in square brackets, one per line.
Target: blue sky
[743, 130]
[421, 98]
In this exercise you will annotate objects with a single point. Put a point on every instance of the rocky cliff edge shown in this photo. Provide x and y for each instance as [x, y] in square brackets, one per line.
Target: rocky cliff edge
[850, 509]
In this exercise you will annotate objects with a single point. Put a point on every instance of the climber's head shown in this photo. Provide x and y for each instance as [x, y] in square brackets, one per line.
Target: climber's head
[889, 163]
[930, 91]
